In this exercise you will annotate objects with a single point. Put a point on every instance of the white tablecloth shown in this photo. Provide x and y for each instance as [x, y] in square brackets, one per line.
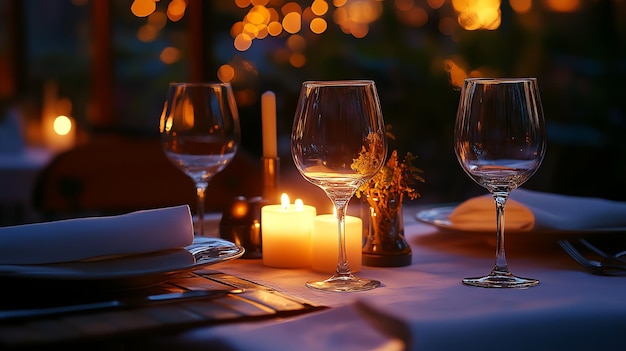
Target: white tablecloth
[426, 307]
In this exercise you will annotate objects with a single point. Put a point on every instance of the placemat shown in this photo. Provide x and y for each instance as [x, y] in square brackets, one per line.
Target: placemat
[182, 302]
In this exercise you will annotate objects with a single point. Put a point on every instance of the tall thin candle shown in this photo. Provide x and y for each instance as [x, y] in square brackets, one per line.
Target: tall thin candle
[268, 114]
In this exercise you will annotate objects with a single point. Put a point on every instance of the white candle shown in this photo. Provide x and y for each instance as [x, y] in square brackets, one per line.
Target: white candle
[268, 114]
[286, 234]
[325, 243]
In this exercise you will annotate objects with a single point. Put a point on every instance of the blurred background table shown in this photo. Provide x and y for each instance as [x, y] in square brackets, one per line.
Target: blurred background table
[18, 174]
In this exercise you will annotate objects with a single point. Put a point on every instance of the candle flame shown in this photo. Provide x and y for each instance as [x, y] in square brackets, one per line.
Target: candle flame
[62, 125]
[239, 209]
[299, 204]
[284, 201]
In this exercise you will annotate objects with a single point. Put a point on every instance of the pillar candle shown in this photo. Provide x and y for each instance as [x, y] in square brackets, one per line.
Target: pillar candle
[268, 114]
[286, 234]
[325, 243]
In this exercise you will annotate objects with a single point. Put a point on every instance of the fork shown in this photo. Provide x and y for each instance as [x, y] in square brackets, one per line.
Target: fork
[617, 258]
[596, 267]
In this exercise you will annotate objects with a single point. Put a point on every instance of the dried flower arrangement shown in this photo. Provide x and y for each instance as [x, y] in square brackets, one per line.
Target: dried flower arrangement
[385, 193]
[395, 180]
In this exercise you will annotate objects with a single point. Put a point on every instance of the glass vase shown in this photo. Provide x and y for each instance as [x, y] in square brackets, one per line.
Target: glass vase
[385, 244]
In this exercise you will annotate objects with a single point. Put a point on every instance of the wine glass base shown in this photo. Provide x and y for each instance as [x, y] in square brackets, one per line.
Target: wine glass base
[501, 280]
[344, 284]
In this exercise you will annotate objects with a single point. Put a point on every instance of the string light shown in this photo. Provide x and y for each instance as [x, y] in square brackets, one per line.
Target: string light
[265, 18]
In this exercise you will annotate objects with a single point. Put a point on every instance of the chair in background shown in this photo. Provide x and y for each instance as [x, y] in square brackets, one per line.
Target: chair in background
[114, 175]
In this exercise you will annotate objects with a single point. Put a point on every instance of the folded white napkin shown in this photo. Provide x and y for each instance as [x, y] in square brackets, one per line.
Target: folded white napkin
[479, 214]
[528, 210]
[93, 237]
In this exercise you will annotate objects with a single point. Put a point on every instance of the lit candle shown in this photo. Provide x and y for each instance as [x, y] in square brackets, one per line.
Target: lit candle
[59, 132]
[286, 234]
[268, 114]
[325, 243]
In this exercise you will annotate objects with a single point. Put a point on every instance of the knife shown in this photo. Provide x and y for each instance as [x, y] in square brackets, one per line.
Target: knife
[123, 303]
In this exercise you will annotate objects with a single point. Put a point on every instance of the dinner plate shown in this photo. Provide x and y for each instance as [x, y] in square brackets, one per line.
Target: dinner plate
[440, 217]
[124, 272]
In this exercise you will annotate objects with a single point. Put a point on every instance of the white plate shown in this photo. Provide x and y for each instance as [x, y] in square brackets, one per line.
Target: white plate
[440, 217]
[125, 272]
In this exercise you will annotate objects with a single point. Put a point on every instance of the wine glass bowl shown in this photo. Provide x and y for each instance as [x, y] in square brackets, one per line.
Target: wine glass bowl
[200, 133]
[338, 143]
[500, 143]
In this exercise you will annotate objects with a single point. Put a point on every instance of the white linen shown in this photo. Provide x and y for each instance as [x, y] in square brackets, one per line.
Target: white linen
[528, 210]
[490, 318]
[563, 212]
[94, 237]
[425, 306]
[333, 329]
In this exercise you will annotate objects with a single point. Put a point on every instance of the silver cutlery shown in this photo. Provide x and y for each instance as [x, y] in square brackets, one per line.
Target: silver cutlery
[604, 267]
[618, 258]
[122, 303]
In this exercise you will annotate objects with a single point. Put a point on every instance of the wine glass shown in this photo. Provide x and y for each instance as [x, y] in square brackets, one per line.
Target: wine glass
[499, 141]
[200, 133]
[338, 143]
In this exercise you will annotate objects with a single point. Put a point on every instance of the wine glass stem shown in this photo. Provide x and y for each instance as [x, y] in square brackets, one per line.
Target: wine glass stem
[500, 200]
[200, 190]
[343, 270]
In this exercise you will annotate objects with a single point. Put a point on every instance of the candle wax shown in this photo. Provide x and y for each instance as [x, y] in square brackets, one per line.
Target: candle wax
[325, 243]
[268, 114]
[286, 235]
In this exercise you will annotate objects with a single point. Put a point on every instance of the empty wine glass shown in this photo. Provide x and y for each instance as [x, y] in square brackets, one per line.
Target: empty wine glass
[499, 141]
[338, 143]
[200, 133]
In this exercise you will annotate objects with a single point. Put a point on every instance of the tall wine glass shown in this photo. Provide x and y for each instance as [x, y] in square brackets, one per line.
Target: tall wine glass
[338, 143]
[200, 133]
[499, 141]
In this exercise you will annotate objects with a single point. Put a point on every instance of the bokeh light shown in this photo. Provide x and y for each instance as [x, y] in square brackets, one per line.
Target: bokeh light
[292, 22]
[62, 125]
[170, 55]
[562, 5]
[318, 25]
[296, 43]
[226, 73]
[243, 42]
[143, 8]
[176, 10]
[147, 33]
[319, 7]
[478, 14]
[521, 6]
[295, 22]
[297, 59]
